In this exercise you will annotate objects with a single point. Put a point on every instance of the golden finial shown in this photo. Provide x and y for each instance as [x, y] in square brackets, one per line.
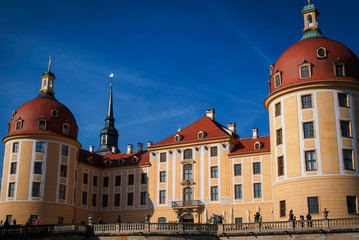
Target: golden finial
[308, 1]
[111, 76]
[49, 63]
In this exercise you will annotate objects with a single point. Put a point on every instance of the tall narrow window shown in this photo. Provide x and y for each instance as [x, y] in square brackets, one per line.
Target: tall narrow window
[63, 171]
[11, 192]
[214, 193]
[162, 196]
[277, 79]
[257, 190]
[282, 208]
[163, 156]
[85, 178]
[352, 204]
[238, 191]
[130, 199]
[256, 168]
[94, 200]
[143, 198]
[62, 191]
[163, 176]
[187, 194]
[313, 205]
[38, 168]
[105, 181]
[348, 159]
[278, 109]
[279, 137]
[84, 198]
[214, 152]
[117, 200]
[214, 172]
[131, 179]
[143, 178]
[15, 147]
[187, 172]
[343, 100]
[307, 101]
[187, 154]
[339, 69]
[64, 150]
[308, 129]
[94, 181]
[39, 147]
[118, 180]
[13, 168]
[310, 161]
[280, 166]
[237, 169]
[18, 125]
[36, 189]
[104, 200]
[345, 128]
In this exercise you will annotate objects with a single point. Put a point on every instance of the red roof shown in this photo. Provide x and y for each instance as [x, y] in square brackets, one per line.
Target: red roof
[246, 146]
[210, 128]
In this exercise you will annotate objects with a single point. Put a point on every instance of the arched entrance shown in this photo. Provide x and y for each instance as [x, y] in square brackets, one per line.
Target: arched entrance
[188, 218]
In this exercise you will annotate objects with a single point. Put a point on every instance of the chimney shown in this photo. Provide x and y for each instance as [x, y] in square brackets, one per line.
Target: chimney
[91, 148]
[255, 133]
[210, 114]
[139, 147]
[129, 148]
[232, 127]
[113, 149]
[149, 143]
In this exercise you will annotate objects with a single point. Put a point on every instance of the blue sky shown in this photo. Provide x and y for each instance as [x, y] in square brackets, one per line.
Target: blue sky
[171, 59]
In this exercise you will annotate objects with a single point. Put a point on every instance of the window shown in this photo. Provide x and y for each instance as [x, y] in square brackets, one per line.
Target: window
[84, 198]
[187, 172]
[163, 176]
[339, 69]
[94, 181]
[310, 161]
[308, 130]
[85, 178]
[18, 125]
[60, 220]
[257, 190]
[313, 205]
[13, 168]
[63, 171]
[238, 191]
[214, 172]
[65, 128]
[143, 198]
[94, 200]
[257, 145]
[200, 135]
[321, 53]
[54, 113]
[105, 182]
[187, 154]
[279, 137]
[187, 194]
[39, 147]
[118, 180]
[214, 193]
[305, 70]
[8, 219]
[13, 115]
[256, 168]
[282, 210]
[280, 166]
[163, 157]
[162, 196]
[104, 200]
[62, 191]
[307, 101]
[117, 200]
[343, 99]
[42, 124]
[348, 159]
[130, 199]
[214, 152]
[345, 128]
[177, 138]
[352, 204]
[131, 179]
[38, 168]
[143, 178]
[65, 150]
[36, 189]
[277, 79]
[238, 220]
[11, 189]
[278, 109]
[162, 220]
[15, 147]
[237, 169]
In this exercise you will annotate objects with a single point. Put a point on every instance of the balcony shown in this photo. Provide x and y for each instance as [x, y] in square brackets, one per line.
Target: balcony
[187, 204]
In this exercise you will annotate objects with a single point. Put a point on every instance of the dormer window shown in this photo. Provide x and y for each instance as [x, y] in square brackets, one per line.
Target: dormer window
[18, 125]
[13, 115]
[54, 113]
[305, 70]
[42, 124]
[278, 79]
[339, 69]
[257, 145]
[134, 159]
[201, 134]
[178, 138]
[65, 128]
[321, 53]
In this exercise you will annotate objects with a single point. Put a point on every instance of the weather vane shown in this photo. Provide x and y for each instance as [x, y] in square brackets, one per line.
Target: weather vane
[49, 63]
[111, 76]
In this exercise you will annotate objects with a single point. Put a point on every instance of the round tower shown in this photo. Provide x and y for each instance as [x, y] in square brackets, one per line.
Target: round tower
[41, 149]
[314, 126]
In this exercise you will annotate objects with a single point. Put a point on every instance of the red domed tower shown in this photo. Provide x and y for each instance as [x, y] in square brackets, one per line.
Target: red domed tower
[314, 126]
[41, 149]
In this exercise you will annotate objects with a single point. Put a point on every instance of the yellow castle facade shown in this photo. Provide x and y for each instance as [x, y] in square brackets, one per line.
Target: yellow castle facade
[308, 163]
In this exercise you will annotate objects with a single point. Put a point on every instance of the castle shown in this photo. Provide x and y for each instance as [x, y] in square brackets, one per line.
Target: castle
[309, 162]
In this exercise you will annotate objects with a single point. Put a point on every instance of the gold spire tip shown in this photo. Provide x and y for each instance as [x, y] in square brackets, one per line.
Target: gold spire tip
[308, 1]
[49, 63]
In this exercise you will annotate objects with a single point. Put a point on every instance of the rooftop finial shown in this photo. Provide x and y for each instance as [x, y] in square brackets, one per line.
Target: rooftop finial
[111, 76]
[308, 1]
[49, 63]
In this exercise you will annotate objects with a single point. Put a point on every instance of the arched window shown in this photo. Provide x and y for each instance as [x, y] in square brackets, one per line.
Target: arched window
[310, 20]
[162, 220]
[187, 154]
[187, 194]
[257, 145]
[187, 172]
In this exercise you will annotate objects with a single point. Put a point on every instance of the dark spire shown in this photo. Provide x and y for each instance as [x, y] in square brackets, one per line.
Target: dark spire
[109, 135]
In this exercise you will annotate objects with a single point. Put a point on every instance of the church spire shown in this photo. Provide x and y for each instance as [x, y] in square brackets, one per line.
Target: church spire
[311, 28]
[109, 134]
[47, 84]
